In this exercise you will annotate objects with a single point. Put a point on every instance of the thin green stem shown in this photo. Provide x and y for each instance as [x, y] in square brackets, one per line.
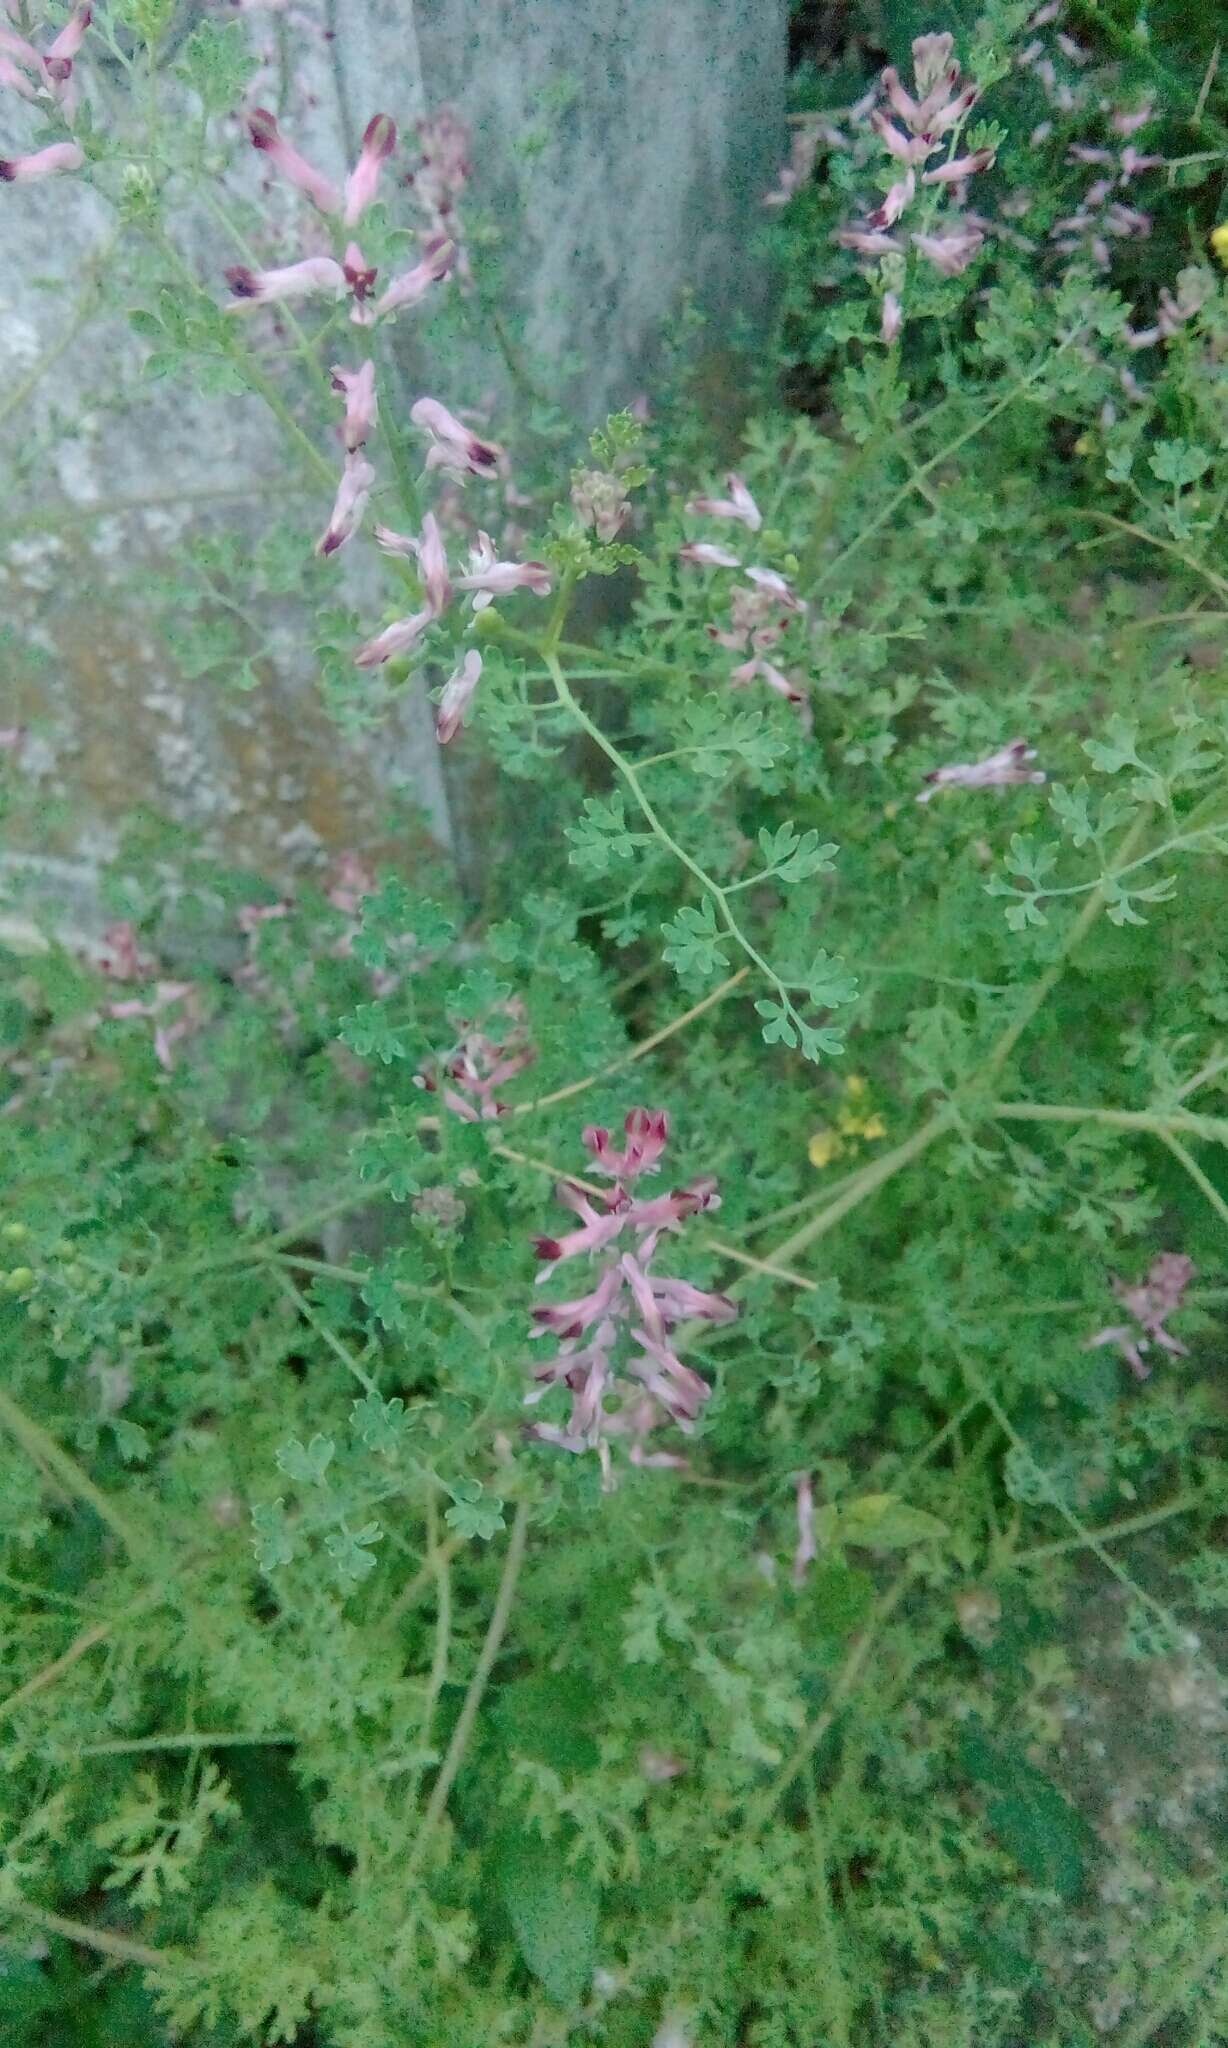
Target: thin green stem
[1196, 1174]
[1154, 540]
[898, 498]
[712, 889]
[1112, 1532]
[138, 1745]
[98, 1938]
[42, 1448]
[491, 1644]
[1158, 1121]
[1085, 1538]
[96, 267]
[338, 1349]
[637, 1052]
[1042, 988]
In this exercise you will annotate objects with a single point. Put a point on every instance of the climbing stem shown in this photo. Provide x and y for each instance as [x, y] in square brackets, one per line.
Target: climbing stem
[712, 889]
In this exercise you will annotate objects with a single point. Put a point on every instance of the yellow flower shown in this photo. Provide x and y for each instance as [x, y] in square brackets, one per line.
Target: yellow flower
[823, 1148]
[1219, 241]
[874, 1127]
[855, 1085]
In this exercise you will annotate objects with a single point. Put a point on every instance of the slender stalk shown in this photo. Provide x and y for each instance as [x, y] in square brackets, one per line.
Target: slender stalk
[491, 1645]
[1155, 540]
[139, 1745]
[327, 1336]
[846, 1683]
[1159, 1121]
[14, 399]
[1132, 1525]
[637, 1052]
[888, 511]
[97, 1632]
[1196, 1174]
[712, 888]
[41, 1446]
[98, 1938]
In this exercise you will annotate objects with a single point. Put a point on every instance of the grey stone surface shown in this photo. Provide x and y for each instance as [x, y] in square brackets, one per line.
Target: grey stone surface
[622, 151]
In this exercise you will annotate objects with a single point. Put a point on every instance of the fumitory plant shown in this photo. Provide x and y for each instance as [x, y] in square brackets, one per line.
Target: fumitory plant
[630, 1448]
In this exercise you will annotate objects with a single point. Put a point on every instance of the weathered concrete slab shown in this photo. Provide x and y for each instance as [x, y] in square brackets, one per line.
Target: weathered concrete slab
[619, 151]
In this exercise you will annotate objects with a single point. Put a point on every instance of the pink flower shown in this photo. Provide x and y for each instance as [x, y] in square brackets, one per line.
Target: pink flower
[20, 51]
[168, 995]
[868, 241]
[121, 958]
[910, 149]
[430, 555]
[13, 78]
[266, 136]
[378, 142]
[767, 672]
[292, 281]
[776, 586]
[646, 1132]
[1007, 765]
[457, 694]
[357, 477]
[660, 1765]
[361, 405]
[807, 1549]
[596, 1229]
[413, 285]
[796, 171]
[1150, 1301]
[480, 1063]
[958, 168]
[951, 250]
[57, 64]
[616, 1357]
[42, 163]
[738, 505]
[599, 500]
[453, 448]
[394, 639]
[360, 279]
[443, 168]
[892, 317]
[489, 578]
[705, 554]
[893, 205]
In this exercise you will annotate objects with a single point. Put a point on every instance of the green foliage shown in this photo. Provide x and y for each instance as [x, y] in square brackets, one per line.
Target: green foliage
[340, 1708]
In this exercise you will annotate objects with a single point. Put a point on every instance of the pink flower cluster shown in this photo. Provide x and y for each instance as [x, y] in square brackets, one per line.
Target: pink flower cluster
[441, 174]
[172, 1006]
[1103, 216]
[479, 1064]
[1150, 1301]
[615, 1356]
[44, 76]
[451, 447]
[761, 609]
[350, 276]
[485, 579]
[1009, 764]
[938, 105]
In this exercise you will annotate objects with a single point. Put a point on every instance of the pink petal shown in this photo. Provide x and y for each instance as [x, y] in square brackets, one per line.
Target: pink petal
[378, 142]
[267, 137]
[393, 640]
[42, 163]
[457, 693]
